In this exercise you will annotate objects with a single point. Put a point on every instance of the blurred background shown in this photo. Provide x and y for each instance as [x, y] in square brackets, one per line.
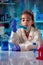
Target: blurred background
[10, 9]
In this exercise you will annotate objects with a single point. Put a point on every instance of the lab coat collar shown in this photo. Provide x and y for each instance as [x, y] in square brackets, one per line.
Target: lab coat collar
[30, 37]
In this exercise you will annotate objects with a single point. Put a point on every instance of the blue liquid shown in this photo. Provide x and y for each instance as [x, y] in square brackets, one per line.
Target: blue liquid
[21, 26]
[4, 45]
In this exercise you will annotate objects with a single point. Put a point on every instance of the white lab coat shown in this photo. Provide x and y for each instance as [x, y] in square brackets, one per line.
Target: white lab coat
[26, 43]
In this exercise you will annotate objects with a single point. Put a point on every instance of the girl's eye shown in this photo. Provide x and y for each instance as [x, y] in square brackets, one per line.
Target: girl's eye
[23, 20]
[28, 20]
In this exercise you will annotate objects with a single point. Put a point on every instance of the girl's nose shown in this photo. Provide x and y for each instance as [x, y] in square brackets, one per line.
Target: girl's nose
[26, 23]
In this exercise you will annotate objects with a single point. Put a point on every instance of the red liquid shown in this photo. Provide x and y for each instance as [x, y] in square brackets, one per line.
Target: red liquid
[40, 53]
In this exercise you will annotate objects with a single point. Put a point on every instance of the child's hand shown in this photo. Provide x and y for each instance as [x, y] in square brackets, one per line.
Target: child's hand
[16, 48]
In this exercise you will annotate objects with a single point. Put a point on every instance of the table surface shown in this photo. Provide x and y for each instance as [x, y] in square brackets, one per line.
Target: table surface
[18, 58]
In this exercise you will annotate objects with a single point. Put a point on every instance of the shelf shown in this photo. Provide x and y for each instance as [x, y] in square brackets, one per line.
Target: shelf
[4, 21]
[8, 3]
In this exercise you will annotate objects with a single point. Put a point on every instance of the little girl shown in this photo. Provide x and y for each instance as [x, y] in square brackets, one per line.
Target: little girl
[23, 38]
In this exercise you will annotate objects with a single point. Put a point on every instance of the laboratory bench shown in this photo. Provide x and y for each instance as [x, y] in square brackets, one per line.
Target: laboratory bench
[18, 58]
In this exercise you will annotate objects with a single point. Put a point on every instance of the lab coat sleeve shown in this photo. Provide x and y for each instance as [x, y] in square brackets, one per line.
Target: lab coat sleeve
[14, 38]
[27, 46]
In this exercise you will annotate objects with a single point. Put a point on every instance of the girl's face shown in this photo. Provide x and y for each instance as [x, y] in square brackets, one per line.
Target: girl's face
[26, 20]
